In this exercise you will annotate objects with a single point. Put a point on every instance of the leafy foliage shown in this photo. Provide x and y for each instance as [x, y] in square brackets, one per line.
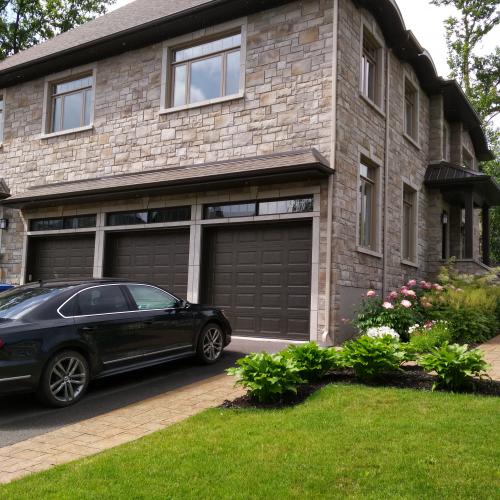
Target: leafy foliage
[267, 376]
[454, 365]
[423, 339]
[24, 23]
[313, 361]
[370, 357]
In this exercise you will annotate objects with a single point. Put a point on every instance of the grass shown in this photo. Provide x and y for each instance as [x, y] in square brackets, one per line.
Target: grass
[346, 441]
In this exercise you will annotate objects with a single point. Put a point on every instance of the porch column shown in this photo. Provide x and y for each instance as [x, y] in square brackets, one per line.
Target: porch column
[469, 226]
[485, 217]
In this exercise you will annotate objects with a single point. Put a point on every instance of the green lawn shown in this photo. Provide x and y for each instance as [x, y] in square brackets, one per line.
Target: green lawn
[345, 441]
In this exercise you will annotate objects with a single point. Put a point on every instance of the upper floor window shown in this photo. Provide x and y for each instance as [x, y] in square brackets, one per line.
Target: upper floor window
[411, 110]
[71, 103]
[367, 206]
[467, 159]
[206, 71]
[446, 142]
[371, 68]
[2, 111]
[409, 246]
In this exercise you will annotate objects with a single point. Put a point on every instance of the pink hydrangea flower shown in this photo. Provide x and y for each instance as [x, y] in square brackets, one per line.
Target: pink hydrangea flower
[437, 287]
[410, 293]
[412, 283]
[393, 295]
[387, 305]
[425, 285]
[371, 293]
[406, 303]
[403, 289]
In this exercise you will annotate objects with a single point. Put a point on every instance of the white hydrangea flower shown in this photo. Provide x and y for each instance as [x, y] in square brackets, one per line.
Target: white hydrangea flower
[382, 331]
[416, 326]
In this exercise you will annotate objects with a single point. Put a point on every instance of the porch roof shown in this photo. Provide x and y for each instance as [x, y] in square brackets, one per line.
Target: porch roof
[277, 167]
[454, 180]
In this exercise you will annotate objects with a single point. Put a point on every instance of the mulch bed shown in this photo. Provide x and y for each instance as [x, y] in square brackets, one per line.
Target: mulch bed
[410, 377]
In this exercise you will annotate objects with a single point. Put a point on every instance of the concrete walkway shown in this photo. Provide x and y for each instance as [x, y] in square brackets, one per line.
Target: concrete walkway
[491, 351]
[114, 428]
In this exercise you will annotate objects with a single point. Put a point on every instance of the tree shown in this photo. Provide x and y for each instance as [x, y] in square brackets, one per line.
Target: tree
[479, 76]
[24, 23]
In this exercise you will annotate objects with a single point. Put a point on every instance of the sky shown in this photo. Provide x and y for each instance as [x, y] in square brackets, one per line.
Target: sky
[426, 22]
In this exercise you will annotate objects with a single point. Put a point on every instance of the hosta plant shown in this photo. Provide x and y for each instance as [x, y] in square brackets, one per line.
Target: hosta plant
[313, 361]
[371, 357]
[267, 377]
[454, 364]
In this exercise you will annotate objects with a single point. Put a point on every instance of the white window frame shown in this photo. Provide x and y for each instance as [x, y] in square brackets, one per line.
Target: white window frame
[68, 75]
[412, 259]
[194, 38]
[413, 138]
[374, 248]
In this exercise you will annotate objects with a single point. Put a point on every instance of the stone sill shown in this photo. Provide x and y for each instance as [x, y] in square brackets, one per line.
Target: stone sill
[411, 140]
[66, 132]
[367, 251]
[409, 263]
[372, 105]
[208, 102]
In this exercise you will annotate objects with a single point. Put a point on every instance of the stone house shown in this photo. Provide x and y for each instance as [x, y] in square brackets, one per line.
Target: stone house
[275, 158]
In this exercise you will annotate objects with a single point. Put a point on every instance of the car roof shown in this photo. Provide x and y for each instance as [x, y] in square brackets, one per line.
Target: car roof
[78, 281]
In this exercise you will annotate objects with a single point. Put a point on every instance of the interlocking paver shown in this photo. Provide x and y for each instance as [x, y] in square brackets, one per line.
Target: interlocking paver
[112, 429]
[491, 351]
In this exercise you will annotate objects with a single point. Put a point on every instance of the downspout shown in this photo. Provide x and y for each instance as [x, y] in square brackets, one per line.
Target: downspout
[386, 170]
[329, 302]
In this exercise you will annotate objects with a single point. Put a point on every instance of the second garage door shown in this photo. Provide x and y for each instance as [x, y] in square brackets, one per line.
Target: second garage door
[58, 257]
[261, 276]
[156, 256]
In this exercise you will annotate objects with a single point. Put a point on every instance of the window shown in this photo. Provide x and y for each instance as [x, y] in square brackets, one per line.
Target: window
[97, 300]
[367, 206]
[411, 110]
[250, 209]
[467, 159]
[446, 142]
[2, 113]
[154, 216]
[71, 103]
[53, 223]
[150, 298]
[409, 250]
[371, 68]
[206, 71]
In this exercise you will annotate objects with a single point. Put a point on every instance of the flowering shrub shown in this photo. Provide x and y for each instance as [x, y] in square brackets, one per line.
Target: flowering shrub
[454, 365]
[382, 331]
[371, 357]
[423, 338]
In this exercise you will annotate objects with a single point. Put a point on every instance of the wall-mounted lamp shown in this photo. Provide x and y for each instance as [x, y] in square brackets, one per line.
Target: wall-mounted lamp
[4, 223]
[444, 218]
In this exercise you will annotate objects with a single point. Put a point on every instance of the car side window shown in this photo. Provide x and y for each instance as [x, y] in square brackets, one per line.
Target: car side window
[98, 300]
[148, 297]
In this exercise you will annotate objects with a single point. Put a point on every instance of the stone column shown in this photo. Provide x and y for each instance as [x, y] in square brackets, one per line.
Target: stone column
[469, 225]
[485, 219]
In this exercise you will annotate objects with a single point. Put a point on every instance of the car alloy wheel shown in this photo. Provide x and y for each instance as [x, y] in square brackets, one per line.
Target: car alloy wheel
[68, 379]
[211, 344]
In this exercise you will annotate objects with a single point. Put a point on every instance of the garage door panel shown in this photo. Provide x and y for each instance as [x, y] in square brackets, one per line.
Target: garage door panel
[56, 257]
[261, 276]
[159, 257]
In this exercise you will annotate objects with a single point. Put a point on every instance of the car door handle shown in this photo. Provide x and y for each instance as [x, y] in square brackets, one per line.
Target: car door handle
[148, 322]
[88, 328]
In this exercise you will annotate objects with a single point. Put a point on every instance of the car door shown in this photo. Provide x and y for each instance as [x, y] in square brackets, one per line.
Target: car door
[168, 325]
[105, 318]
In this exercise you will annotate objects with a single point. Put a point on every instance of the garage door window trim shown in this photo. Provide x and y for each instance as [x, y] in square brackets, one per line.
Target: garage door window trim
[86, 221]
[150, 216]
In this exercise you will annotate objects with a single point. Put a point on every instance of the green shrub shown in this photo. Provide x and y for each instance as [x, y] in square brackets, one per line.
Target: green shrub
[424, 338]
[373, 356]
[267, 376]
[313, 361]
[471, 312]
[454, 365]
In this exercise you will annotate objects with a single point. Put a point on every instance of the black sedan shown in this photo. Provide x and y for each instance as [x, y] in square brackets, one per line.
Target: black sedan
[56, 336]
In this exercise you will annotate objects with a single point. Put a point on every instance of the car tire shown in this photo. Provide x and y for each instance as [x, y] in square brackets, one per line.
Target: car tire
[210, 344]
[64, 380]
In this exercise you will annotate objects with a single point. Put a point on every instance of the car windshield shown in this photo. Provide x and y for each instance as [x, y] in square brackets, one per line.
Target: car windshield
[19, 301]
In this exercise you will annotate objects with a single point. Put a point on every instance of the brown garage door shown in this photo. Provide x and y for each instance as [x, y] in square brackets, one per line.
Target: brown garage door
[160, 257]
[261, 277]
[69, 256]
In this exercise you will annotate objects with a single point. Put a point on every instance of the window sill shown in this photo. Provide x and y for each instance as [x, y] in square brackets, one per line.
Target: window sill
[367, 251]
[372, 105]
[411, 140]
[66, 132]
[409, 263]
[233, 97]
